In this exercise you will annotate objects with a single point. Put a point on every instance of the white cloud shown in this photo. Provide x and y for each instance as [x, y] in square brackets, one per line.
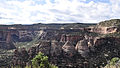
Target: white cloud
[61, 11]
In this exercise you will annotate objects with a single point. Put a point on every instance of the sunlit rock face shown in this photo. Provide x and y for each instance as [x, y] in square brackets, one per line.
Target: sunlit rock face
[106, 27]
[105, 30]
[82, 48]
[69, 48]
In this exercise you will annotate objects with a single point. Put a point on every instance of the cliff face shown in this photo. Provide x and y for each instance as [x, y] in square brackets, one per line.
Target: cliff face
[13, 35]
[106, 27]
[67, 55]
[66, 47]
[5, 40]
[72, 38]
[26, 33]
[103, 30]
[82, 48]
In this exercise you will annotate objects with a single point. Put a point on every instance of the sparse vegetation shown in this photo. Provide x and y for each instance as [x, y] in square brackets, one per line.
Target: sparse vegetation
[27, 45]
[77, 25]
[112, 22]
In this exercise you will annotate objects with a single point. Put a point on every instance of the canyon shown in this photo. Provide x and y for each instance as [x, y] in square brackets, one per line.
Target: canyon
[66, 45]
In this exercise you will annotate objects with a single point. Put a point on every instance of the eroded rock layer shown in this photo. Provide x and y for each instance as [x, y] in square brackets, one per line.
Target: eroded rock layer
[68, 55]
[67, 46]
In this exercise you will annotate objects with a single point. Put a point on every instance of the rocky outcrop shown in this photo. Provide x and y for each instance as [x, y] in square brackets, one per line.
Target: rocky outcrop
[5, 40]
[69, 56]
[32, 52]
[102, 29]
[45, 47]
[72, 38]
[69, 48]
[82, 48]
[20, 57]
[25, 35]
[56, 48]
[106, 27]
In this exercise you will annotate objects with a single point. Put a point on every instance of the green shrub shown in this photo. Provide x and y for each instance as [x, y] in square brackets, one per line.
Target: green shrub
[41, 61]
[114, 63]
[114, 60]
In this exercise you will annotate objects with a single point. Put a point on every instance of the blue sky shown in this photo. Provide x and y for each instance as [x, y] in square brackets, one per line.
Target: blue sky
[58, 11]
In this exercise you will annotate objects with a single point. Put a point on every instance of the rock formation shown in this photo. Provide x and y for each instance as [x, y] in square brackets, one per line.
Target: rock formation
[106, 27]
[66, 48]
[103, 30]
[56, 48]
[69, 48]
[82, 48]
[66, 56]
[72, 38]
[45, 47]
